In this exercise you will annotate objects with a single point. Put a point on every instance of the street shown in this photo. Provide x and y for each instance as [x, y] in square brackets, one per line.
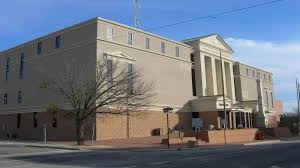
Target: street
[284, 155]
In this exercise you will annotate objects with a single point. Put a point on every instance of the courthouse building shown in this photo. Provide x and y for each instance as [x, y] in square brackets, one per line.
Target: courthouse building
[187, 76]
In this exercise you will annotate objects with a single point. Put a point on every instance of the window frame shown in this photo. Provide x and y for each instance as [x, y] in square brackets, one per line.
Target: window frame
[21, 70]
[147, 42]
[19, 97]
[58, 42]
[39, 49]
[163, 47]
[130, 38]
[177, 51]
[109, 33]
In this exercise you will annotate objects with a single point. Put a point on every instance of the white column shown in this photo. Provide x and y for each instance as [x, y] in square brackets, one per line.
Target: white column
[203, 75]
[214, 77]
[224, 77]
[232, 82]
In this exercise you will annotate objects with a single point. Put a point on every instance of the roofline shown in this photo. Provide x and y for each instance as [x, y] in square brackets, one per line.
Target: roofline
[252, 66]
[213, 34]
[66, 29]
[145, 32]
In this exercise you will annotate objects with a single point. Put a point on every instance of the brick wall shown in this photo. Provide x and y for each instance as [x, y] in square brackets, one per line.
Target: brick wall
[65, 129]
[232, 136]
[108, 127]
[116, 126]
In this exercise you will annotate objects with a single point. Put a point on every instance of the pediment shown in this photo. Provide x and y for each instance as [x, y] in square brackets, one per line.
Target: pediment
[216, 41]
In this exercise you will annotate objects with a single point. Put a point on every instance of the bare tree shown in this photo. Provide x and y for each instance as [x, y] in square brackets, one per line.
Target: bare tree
[116, 89]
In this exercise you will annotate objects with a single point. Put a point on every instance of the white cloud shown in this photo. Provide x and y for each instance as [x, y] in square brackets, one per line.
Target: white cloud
[282, 59]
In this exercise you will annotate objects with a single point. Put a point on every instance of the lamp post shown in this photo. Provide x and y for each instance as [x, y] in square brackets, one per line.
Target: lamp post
[224, 105]
[168, 110]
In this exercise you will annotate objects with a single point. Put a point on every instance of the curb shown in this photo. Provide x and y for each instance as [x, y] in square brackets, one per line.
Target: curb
[53, 147]
[264, 142]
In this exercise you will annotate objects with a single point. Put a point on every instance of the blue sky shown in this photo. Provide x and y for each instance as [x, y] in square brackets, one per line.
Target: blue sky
[267, 37]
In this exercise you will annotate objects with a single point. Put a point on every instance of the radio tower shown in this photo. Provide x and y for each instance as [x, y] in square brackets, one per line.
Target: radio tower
[137, 7]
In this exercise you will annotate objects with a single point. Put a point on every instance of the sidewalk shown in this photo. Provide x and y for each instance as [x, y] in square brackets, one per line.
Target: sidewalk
[133, 144]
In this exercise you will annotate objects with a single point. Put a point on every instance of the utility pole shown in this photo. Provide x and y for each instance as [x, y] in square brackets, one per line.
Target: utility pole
[298, 104]
[137, 7]
[224, 105]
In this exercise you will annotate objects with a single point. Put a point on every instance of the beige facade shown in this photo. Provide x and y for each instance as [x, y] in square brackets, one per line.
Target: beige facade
[187, 76]
[254, 84]
[162, 61]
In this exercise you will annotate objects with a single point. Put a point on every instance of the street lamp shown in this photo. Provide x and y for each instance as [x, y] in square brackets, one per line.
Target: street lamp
[168, 110]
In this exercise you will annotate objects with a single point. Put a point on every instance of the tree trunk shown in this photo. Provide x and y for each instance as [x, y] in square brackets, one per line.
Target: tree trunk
[79, 137]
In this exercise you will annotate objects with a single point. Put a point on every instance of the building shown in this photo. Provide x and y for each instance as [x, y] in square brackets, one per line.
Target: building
[187, 76]
[24, 68]
[254, 88]
[213, 62]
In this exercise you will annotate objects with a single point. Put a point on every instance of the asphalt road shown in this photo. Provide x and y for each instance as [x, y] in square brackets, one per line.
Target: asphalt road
[259, 156]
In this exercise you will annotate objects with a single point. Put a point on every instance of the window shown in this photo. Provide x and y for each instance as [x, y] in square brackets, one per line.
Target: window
[192, 58]
[19, 99]
[57, 41]
[163, 47]
[177, 51]
[195, 115]
[264, 76]
[5, 98]
[147, 43]
[18, 120]
[258, 75]
[247, 71]
[7, 68]
[270, 78]
[253, 73]
[271, 94]
[109, 33]
[35, 123]
[130, 79]
[266, 97]
[21, 71]
[109, 73]
[39, 48]
[54, 120]
[194, 82]
[130, 38]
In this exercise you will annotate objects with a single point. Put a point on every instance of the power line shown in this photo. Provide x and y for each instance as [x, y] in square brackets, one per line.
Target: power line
[213, 16]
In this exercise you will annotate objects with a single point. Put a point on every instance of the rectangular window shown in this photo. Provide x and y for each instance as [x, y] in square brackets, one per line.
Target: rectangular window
[270, 78]
[192, 58]
[109, 33]
[194, 82]
[130, 38]
[21, 71]
[54, 120]
[18, 120]
[253, 73]
[19, 99]
[35, 122]
[39, 48]
[147, 43]
[177, 51]
[57, 41]
[267, 97]
[247, 72]
[272, 101]
[109, 73]
[5, 98]
[195, 115]
[130, 79]
[7, 68]
[264, 76]
[258, 75]
[163, 47]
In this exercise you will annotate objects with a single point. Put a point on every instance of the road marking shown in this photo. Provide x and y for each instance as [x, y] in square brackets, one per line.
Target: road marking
[160, 163]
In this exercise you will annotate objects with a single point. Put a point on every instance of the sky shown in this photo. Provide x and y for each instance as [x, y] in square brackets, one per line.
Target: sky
[267, 37]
